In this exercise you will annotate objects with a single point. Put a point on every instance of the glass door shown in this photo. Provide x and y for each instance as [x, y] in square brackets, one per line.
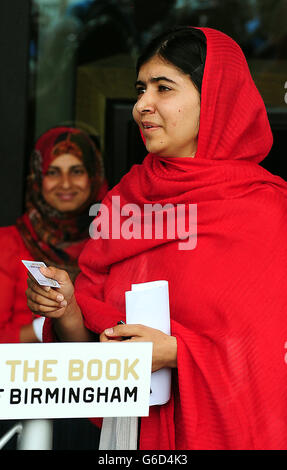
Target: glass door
[83, 52]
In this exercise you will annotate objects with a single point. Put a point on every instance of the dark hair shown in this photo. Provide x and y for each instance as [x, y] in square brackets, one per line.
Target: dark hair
[184, 47]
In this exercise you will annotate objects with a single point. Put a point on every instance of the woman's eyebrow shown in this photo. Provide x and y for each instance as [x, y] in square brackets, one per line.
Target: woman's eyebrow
[55, 167]
[155, 79]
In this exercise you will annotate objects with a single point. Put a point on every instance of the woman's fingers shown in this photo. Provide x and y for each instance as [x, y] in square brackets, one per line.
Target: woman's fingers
[131, 332]
[42, 305]
[62, 277]
[44, 294]
[42, 300]
[41, 309]
[54, 300]
[126, 331]
[118, 333]
[164, 346]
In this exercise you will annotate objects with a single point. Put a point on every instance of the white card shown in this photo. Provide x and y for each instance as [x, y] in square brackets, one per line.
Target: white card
[34, 268]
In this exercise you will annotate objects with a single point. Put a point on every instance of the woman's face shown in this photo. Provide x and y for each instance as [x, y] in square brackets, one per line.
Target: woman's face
[167, 109]
[66, 186]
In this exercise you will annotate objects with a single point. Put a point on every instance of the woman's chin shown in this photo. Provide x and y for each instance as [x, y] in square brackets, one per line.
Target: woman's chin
[66, 206]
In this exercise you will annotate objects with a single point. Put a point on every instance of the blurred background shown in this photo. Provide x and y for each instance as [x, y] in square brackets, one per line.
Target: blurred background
[72, 62]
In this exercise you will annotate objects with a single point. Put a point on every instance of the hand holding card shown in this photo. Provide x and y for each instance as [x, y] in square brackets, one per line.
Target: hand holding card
[34, 268]
[50, 289]
[59, 305]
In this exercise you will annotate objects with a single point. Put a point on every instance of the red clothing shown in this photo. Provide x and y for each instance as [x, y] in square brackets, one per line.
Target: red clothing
[228, 299]
[14, 312]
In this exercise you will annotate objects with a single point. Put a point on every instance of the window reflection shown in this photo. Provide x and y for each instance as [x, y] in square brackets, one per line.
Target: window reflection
[69, 33]
[83, 52]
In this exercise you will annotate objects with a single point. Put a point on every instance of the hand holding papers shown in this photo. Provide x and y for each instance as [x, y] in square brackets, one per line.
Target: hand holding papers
[148, 304]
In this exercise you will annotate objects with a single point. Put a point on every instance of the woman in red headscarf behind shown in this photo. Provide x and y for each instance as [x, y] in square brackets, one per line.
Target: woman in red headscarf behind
[66, 177]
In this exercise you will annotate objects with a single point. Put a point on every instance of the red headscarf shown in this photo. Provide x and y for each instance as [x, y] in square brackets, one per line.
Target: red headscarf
[228, 297]
[52, 236]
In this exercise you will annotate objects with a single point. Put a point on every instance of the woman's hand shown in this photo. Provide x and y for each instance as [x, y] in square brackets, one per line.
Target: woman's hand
[47, 301]
[164, 346]
[58, 304]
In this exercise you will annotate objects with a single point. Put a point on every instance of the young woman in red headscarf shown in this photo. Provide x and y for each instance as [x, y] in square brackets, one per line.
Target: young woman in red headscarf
[66, 177]
[206, 130]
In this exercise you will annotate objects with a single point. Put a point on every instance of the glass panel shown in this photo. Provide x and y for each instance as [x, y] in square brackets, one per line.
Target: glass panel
[83, 51]
[53, 62]
[76, 37]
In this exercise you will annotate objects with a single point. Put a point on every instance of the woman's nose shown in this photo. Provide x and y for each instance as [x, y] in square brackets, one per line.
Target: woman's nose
[146, 103]
[65, 181]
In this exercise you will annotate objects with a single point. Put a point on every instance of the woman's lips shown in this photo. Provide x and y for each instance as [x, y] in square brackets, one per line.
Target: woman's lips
[66, 196]
[149, 127]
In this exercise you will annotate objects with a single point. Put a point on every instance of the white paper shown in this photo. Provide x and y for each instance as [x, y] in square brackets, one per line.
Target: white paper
[148, 304]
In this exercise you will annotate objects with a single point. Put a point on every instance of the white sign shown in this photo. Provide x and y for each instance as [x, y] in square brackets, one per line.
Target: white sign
[74, 380]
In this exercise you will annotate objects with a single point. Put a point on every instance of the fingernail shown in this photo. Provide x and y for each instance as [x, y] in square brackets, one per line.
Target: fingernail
[60, 297]
[109, 331]
[64, 303]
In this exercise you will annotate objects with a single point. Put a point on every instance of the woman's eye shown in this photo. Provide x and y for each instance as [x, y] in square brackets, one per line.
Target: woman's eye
[51, 172]
[78, 171]
[140, 91]
[162, 88]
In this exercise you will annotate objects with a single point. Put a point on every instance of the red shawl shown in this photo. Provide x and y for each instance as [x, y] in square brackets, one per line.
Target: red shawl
[228, 295]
